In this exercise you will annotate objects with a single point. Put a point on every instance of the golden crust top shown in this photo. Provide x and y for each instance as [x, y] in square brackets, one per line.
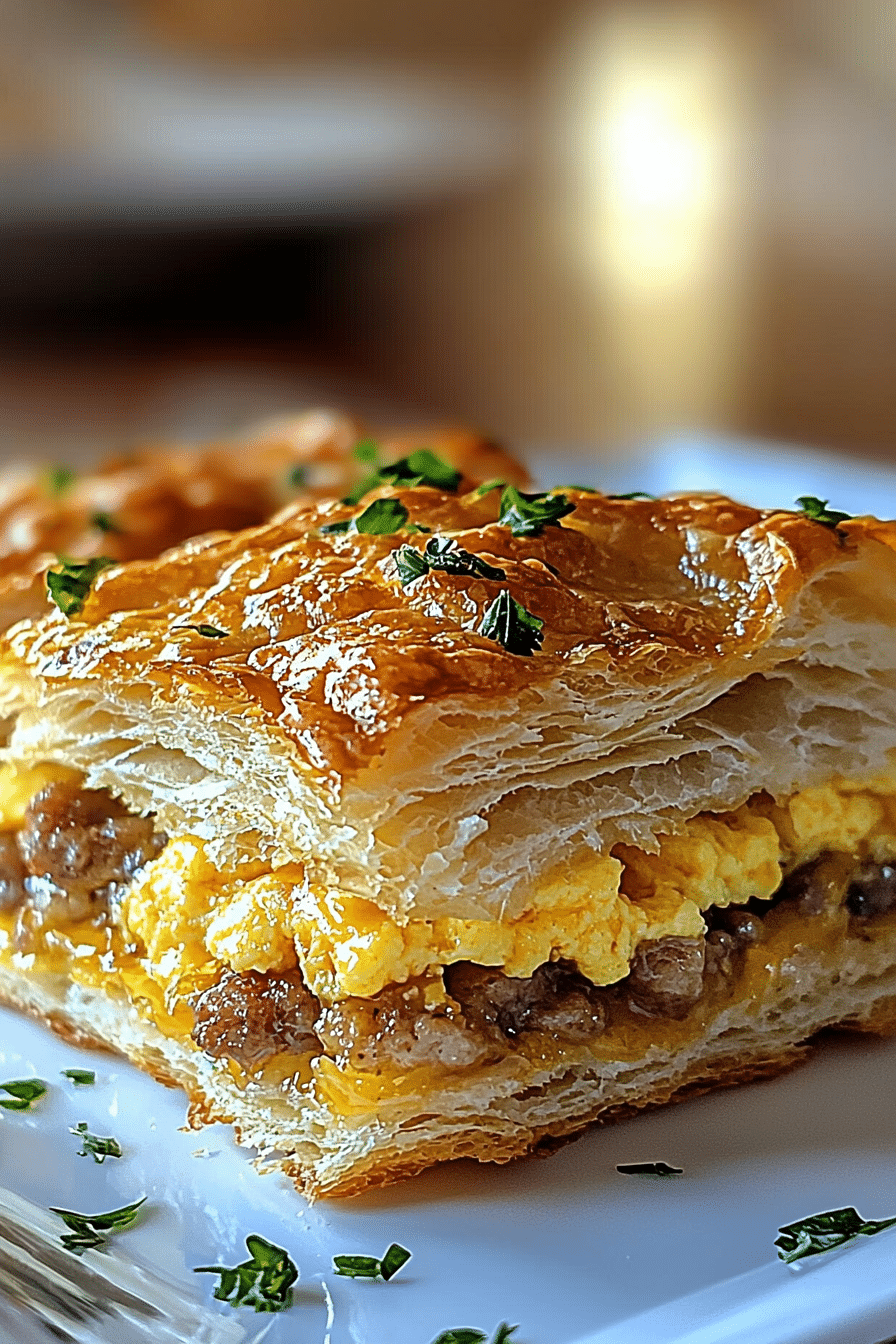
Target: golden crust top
[135, 505]
[326, 645]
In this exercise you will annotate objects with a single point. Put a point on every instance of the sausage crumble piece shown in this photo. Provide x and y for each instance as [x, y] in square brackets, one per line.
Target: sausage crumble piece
[252, 1016]
[74, 854]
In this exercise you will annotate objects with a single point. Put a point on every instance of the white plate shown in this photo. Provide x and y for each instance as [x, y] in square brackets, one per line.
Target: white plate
[570, 1249]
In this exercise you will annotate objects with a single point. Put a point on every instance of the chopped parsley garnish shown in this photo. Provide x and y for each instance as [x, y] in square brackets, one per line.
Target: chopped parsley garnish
[105, 522]
[634, 494]
[80, 1077]
[264, 1281]
[58, 481]
[488, 486]
[207, 631]
[422, 467]
[464, 1335]
[380, 518]
[22, 1093]
[297, 478]
[825, 1231]
[88, 1231]
[442, 553]
[368, 1267]
[648, 1169]
[818, 511]
[526, 515]
[94, 1146]
[512, 626]
[69, 586]
[366, 450]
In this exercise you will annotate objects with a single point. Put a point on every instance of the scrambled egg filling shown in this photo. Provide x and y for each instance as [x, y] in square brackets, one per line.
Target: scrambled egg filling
[594, 908]
[188, 918]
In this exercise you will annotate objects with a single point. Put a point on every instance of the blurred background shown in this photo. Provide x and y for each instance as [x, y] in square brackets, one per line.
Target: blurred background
[592, 223]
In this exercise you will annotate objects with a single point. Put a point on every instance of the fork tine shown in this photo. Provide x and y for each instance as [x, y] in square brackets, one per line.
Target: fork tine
[96, 1298]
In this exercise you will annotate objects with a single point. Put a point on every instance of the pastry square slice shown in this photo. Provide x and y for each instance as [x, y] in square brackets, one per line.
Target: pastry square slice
[447, 821]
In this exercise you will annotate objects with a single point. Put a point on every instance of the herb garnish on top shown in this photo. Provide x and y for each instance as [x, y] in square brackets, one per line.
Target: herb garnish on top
[69, 585]
[206, 631]
[104, 522]
[818, 511]
[512, 626]
[58, 480]
[422, 467]
[442, 553]
[380, 518]
[526, 515]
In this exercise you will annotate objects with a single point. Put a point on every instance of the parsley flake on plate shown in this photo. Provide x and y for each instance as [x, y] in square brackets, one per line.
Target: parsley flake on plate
[822, 1232]
[422, 467]
[206, 631]
[22, 1093]
[68, 586]
[512, 626]
[818, 511]
[368, 1267]
[92, 1145]
[444, 554]
[297, 478]
[80, 1077]
[526, 515]
[264, 1281]
[648, 1169]
[465, 1335]
[89, 1231]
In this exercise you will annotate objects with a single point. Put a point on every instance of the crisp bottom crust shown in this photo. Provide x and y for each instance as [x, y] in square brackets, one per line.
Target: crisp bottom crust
[505, 1112]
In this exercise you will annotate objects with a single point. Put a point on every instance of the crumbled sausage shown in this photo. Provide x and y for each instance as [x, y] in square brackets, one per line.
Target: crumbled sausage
[554, 999]
[12, 873]
[396, 1028]
[83, 842]
[666, 978]
[740, 922]
[720, 953]
[819, 886]
[252, 1016]
[872, 890]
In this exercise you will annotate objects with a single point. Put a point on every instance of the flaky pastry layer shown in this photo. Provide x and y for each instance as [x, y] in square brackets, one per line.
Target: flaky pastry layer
[695, 651]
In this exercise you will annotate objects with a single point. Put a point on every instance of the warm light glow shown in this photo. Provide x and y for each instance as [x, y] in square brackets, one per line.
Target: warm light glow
[652, 136]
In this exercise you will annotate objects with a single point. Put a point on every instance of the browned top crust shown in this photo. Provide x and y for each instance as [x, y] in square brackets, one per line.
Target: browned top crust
[327, 647]
[135, 505]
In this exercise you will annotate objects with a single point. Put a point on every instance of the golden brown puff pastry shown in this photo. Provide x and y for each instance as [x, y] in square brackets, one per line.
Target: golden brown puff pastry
[462, 831]
[137, 504]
